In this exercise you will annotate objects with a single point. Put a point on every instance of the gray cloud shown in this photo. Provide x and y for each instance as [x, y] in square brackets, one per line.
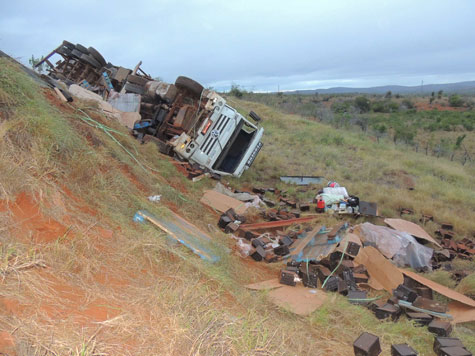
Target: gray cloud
[259, 44]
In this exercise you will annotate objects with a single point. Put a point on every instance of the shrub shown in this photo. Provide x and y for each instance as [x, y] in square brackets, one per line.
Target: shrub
[340, 107]
[363, 103]
[403, 133]
[385, 106]
[408, 103]
[455, 101]
[393, 106]
[379, 106]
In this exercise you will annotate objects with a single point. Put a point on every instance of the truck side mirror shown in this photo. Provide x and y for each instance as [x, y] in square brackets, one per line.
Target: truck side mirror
[254, 116]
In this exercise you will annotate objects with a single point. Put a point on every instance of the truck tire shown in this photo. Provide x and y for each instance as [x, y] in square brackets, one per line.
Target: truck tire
[133, 88]
[136, 79]
[190, 85]
[64, 51]
[69, 45]
[82, 49]
[97, 56]
[90, 60]
[76, 53]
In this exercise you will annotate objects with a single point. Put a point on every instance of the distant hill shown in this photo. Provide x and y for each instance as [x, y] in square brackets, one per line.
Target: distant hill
[460, 88]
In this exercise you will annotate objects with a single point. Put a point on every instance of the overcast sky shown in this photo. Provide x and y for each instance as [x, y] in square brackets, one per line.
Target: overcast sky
[260, 45]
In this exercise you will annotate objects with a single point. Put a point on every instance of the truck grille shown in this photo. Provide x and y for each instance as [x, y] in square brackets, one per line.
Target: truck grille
[218, 128]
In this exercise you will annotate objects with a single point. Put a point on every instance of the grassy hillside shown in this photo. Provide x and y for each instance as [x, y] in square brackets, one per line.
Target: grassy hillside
[429, 124]
[78, 277]
[373, 171]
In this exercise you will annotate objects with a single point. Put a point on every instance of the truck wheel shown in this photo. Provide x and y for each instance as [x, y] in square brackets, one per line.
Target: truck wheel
[81, 48]
[69, 45]
[76, 53]
[90, 60]
[64, 51]
[190, 85]
[97, 56]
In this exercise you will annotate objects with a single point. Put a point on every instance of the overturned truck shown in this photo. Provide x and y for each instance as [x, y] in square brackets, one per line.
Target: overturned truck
[183, 118]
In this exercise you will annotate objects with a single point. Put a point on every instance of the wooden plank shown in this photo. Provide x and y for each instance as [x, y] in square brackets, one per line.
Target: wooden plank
[47, 57]
[277, 224]
[61, 96]
[137, 68]
[305, 241]
[222, 203]
[336, 229]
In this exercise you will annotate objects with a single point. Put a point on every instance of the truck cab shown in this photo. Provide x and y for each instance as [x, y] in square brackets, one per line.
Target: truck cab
[200, 126]
[226, 142]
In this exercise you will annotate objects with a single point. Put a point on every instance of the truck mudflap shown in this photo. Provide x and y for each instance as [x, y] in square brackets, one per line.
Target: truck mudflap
[254, 154]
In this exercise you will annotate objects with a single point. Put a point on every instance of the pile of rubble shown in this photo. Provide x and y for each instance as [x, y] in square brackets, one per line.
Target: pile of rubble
[352, 260]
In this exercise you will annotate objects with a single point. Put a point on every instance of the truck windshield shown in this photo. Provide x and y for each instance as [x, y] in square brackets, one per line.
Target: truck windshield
[235, 149]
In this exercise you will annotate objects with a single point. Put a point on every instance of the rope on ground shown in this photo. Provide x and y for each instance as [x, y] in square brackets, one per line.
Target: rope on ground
[339, 263]
[91, 122]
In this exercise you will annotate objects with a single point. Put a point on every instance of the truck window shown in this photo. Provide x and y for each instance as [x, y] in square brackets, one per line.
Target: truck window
[236, 147]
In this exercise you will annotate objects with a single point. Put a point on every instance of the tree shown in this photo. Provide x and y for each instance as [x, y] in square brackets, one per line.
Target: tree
[34, 61]
[404, 133]
[236, 91]
[457, 145]
[439, 94]
[388, 95]
[363, 103]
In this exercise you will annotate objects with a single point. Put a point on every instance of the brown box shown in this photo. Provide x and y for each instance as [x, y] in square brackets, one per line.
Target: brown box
[440, 328]
[367, 345]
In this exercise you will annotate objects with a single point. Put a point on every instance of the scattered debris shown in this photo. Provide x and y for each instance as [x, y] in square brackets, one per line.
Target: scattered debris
[154, 198]
[182, 231]
[402, 350]
[411, 228]
[382, 272]
[367, 345]
[368, 208]
[396, 245]
[222, 203]
[440, 328]
[449, 346]
[302, 180]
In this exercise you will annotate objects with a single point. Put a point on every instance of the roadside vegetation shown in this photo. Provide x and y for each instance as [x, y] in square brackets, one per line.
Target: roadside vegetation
[93, 282]
[439, 125]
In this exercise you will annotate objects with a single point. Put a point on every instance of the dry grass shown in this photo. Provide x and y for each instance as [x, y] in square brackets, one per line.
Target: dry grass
[112, 287]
